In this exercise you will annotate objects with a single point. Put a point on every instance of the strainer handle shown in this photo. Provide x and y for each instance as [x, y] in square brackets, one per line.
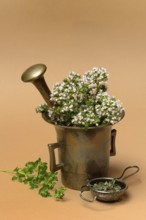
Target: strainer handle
[83, 189]
[131, 174]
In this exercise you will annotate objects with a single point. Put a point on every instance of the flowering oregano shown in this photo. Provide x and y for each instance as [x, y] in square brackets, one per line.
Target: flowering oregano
[83, 101]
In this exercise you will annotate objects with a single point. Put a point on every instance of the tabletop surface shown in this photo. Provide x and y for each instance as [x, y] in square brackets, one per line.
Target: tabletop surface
[70, 36]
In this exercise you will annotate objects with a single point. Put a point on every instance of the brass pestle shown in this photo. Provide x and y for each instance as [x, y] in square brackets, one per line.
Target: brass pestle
[35, 75]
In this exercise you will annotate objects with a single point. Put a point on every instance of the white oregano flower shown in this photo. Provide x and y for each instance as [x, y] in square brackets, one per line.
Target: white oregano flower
[83, 101]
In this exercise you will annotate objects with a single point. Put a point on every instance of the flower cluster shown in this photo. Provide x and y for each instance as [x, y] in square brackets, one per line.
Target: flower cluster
[83, 101]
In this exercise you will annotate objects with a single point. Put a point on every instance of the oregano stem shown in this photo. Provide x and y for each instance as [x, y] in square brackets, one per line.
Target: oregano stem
[8, 171]
[35, 175]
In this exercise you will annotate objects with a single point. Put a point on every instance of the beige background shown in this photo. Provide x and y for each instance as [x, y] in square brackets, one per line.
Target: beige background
[70, 35]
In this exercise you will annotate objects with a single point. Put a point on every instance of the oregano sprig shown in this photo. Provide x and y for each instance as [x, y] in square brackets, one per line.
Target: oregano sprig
[36, 175]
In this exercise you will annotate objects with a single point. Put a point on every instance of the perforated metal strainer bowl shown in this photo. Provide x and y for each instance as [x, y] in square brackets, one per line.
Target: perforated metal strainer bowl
[107, 196]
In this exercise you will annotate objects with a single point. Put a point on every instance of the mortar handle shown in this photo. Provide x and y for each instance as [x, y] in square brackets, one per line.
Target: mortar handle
[113, 140]
[53, 165]
[131, 174]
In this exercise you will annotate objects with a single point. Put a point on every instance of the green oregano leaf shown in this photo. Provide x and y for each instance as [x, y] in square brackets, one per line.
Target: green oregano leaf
[44, 192]
[36, 175]
[59, 193]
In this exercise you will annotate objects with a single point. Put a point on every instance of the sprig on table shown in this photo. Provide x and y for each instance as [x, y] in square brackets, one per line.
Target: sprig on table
[36, 175]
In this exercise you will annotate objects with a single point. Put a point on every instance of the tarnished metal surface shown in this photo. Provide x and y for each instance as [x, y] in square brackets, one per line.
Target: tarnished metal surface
[108, 196]
[83, 154]
[103, 195]
[34, 74]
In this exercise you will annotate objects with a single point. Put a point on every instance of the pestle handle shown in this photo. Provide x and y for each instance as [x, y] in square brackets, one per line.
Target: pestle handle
[35, 75]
